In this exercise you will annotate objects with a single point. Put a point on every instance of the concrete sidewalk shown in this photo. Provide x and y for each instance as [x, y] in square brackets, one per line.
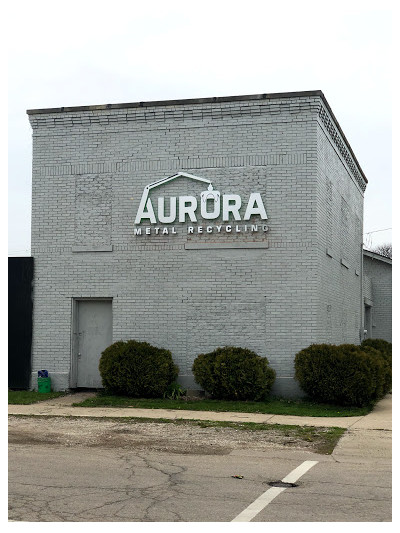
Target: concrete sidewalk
[379, 419]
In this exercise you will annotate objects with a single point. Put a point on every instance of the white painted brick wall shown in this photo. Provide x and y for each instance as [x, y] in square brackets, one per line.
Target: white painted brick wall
[89, 170]
[339, 230]
[380, 275]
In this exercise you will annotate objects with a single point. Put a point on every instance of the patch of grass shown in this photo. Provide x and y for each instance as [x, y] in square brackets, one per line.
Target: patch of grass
[26, 397]
[273, 406]
[324, 439]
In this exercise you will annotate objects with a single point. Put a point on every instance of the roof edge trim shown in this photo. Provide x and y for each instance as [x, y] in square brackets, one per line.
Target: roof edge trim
[379, 257]
[209, 100]
[186, 101]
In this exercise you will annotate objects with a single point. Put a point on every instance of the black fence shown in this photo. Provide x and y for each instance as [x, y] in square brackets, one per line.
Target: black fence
[20, 275]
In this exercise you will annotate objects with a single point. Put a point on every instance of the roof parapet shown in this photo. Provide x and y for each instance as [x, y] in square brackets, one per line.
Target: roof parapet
[357, 170]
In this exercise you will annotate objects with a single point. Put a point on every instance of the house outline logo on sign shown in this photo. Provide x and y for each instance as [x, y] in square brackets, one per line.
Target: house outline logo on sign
[231, 204]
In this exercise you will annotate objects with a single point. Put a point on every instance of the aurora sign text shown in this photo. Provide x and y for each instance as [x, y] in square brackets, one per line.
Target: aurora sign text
[212, 204]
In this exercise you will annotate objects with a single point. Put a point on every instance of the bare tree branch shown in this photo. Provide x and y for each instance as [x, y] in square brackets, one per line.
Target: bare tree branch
[384, 249]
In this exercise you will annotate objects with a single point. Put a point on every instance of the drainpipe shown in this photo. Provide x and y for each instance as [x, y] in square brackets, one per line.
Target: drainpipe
[362, 293]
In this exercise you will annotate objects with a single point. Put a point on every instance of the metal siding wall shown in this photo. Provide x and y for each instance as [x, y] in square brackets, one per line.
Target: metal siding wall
[20, 275]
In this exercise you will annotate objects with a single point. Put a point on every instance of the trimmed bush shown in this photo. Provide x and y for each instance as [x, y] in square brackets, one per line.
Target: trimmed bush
[344, 375]
[232, 373]
[379, 344]
[203, 369]
[382, 348]
[137, 369]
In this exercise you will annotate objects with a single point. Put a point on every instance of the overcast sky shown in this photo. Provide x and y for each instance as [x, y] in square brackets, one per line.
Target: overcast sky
[92, 52]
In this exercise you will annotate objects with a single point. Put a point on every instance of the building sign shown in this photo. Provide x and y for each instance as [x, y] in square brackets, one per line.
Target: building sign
[210, 205]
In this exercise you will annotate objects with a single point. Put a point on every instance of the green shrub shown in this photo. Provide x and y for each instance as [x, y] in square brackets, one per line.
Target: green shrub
[382, 346]
[381, 349]
[232, 373]
[175, 391]
[137, 369]
[203, 369]
[343, 374]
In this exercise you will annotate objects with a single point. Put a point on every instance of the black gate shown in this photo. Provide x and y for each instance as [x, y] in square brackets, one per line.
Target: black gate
[20, 275]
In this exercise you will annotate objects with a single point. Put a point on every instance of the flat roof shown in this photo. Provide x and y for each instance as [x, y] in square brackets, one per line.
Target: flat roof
[185, 101]
[209, 100]
[379, 257]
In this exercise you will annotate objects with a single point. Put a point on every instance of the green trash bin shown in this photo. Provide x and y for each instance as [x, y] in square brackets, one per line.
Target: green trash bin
[44, 384]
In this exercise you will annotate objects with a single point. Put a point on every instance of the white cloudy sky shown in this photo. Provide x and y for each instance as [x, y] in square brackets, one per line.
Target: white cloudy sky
[93, 52]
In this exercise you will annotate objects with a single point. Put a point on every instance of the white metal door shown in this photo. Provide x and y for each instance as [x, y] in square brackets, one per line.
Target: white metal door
[94, 323]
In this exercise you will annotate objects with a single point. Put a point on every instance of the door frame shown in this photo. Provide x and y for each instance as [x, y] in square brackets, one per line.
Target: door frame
[73, 375]
[368, 321]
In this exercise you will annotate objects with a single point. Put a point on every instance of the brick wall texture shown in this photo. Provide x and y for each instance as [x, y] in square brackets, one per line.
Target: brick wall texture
[89, 170]
[378, 274]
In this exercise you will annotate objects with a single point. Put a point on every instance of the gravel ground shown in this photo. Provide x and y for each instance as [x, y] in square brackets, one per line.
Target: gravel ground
[185, 438]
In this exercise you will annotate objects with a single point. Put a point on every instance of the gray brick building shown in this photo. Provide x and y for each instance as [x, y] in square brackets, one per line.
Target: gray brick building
[377, 296]
[255, 241]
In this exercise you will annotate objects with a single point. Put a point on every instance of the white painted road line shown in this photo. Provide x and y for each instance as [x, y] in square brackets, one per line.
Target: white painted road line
[260, 503]
[299, 471]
